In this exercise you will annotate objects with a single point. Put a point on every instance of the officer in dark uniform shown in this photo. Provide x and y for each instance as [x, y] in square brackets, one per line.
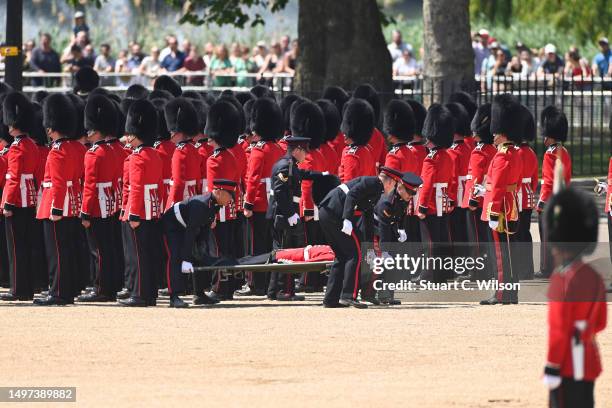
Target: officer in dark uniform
[183, 223]
[336, 214]
[283, 211]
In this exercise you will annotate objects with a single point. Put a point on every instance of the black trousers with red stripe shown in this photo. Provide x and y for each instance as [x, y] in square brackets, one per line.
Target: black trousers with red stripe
[119, 263]
[4, 264]
[523, 243]
[479, 234]
[293, 237]
[225, 239]
[260, 239]
[313, 236]
[174, 237]
[143, 244]
[546, 261]
[459, 231]
[343, 280]
[19, 240]
[102, 253]
[129, 270]
[435, 238]
[503, 256]
[39, 257]
[572, 394]
[60, 246]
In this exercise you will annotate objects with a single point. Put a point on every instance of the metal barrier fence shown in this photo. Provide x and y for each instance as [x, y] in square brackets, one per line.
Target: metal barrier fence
[587, 101]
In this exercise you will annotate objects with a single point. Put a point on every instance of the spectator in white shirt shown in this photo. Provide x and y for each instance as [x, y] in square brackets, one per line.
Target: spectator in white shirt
[150, 64]
[105, 63]
[405, 65]
[397, 46]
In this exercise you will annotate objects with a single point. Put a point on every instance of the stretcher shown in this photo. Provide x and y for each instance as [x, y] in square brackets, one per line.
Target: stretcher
[295, 267]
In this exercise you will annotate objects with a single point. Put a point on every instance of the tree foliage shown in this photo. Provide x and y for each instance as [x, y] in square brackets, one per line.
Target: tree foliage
[585, 19]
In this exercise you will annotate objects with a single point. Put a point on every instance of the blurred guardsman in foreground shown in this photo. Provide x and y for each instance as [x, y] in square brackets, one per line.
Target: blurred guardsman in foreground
[577, 302]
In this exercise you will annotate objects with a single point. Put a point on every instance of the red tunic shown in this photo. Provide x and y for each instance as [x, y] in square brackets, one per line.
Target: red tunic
[165, 149]
[314, 161]
[20, 186]
[283, 143]
[480, 158]
[438, 178]
[204, 150]
[529, 181]
[356, 161]
[503, 177]
[332, 160]
[576, 293]
[460, 153]
[3, 166]
[120, 155]
[146, 192]
[608, 207]
[419, 152]
[241, 162]
[314, 253]
[338, 144]
[548, 171]
[43, 152]
[378, 147]
[61, 187]
[186, 173]
[401, 158]
[222, 165]
[100, 183]
[258, 182]
[470, 141]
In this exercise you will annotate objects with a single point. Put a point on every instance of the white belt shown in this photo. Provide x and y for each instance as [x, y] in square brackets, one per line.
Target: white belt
[296, 199]
[526, 180]
[177, 214]
[48, 184]
[168, 182]
[344, 188]
[469, 177]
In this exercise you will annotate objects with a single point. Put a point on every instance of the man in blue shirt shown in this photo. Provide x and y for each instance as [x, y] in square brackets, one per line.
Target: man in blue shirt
[603, 60]
[175, 59]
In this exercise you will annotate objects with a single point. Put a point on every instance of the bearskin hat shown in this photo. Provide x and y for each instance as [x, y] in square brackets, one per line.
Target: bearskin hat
[100, 115]
[332, 119]
[337, 96]
[308, 121]
[86, 80]
[462, 118]
[529, 124]
[37, 130]
[571, 221]
[17, 111]
[466, 100]
[160, 93]
[420, 113]
[285, 106]
[358, 121]
[247, 110]
[399, 120]
[243, 97]
[59, 114]
[481, 124]
[261, 91]
[166, 83]
[229, 96]
[266, 119]
[553, 123]
[181, 117]
[137, 91]
[39, 96]
[79, 106]
[506, 117]
[208, 97]
[162, 127]
[120, 123]
[201, 108]
[223, 124]
[192, 95]
[439, 126]
[367, 92]
[142, 121]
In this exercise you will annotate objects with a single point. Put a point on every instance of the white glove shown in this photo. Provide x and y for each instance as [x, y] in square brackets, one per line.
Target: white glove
[386, 255]
[493, 224]
[402, 236]
[601, 188]
[186, 267]
[347, 227]
[479, 190]
[293, 220]
[551, 381]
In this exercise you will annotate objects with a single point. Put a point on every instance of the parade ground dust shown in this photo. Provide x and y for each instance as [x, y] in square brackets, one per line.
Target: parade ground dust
[260, 353]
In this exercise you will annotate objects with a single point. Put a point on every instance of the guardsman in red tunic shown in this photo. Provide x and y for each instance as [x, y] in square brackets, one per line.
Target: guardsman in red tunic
[433, 205]
[98, 204]
[417, 145]
[60, 204]
[338, 97]
[267, 126]
[308, 121]
[553, 123]
[5, 141]
[223, 125]
[164, 146]
[460, 153]
[376, 143]
[144, 203]
[478, 230]
[200, 141]
[467, 101]
[577, 309]
[332, 128]
[526, 196]
[19, 196]
[356, 160]
[500, 206]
